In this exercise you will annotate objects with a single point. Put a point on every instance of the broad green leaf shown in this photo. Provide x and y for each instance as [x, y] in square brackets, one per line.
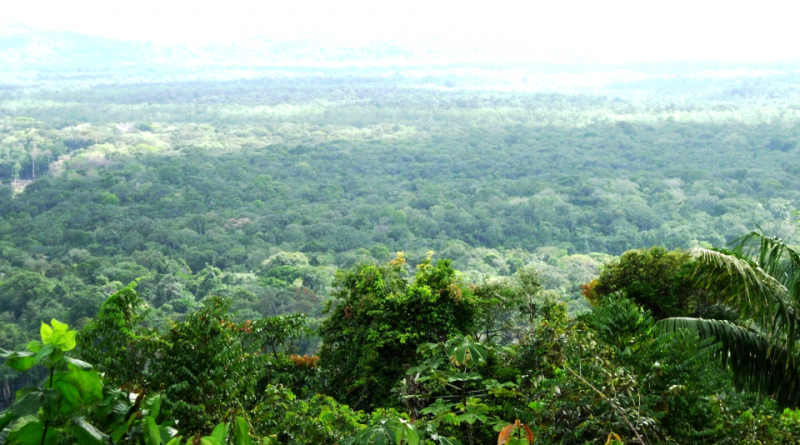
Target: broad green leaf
[20, 361]
[31, 401]
[408, 434]
[208, 440]
[175, 440]
[77, 388]
[86, 433]
[119, 431]
[241, 432]
[474, 411]
[25, 390]
[43, 352]
[46, 333]
[220, 432]
[167, 432]
[34, 346]
[152, 435]
[465, 351]
[71, 398]
[69, 342]
[437, 408]
[153, 406]
[6, 418]
[58, 327]
[32, 434]
[80, 364]
[58, 335]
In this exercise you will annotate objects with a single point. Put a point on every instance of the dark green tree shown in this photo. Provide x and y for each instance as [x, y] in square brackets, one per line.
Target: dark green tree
[656, 279]
[206, 368]
[378, 321]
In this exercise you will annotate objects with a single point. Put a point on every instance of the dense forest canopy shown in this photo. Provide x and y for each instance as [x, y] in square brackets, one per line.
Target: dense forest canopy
[211, 224]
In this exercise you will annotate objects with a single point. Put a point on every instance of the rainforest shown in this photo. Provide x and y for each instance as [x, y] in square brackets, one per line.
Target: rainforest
[273, 244]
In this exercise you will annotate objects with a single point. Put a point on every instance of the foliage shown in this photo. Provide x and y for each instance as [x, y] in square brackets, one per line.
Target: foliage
[296, 421]
[656, 279]
[206, 369]
[612, 372]
[55, 410]
[458, 374]
[195, 185]
[116, 342]
[205, 366]
[758, 280]
[373, 332]
[231, 202]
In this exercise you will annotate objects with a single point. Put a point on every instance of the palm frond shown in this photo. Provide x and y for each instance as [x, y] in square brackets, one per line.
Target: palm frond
[775, 257]
[738, 282]
[745, 286]
[757, 364]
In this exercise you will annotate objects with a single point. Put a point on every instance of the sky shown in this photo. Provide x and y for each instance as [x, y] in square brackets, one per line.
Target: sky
[606, 30]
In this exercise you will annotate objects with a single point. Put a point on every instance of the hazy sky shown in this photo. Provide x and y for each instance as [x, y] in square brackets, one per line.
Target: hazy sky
[612, 30]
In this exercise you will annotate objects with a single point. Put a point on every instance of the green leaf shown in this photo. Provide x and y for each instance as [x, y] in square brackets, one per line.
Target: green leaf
[70, 396]
[58, 327]
[6, 418]
[167, 433]
[175, 440]
[69, 342]
[77, 388]
[465, 351]
[463, 377]
[152, 434]
[208, 440]
[80, 364]
[474, 411]
[46, 333]
[20, 361]
[437, 408]
[119, 431]
[241, 432]
[153, 406]
[31, 434]
[43, 352]
[220, 432]
[34, 346]
[442, 440]
[86, 433]
[58, 335]
[757, 365]
[408, 434]
[29, 402]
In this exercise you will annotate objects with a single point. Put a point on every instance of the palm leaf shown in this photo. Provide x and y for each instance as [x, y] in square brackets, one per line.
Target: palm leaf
[757, 296]
[757, 364]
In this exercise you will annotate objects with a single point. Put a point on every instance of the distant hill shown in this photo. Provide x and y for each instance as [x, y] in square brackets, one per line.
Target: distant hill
[25, 49]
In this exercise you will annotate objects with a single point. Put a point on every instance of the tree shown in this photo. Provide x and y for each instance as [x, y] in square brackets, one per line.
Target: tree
[207, 368]
[23, 288]
[655, 279]
[760, 280]
[379, 320]
[116, 342]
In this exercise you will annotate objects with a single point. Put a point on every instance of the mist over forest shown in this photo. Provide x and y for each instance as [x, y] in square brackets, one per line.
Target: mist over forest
[310, 240]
